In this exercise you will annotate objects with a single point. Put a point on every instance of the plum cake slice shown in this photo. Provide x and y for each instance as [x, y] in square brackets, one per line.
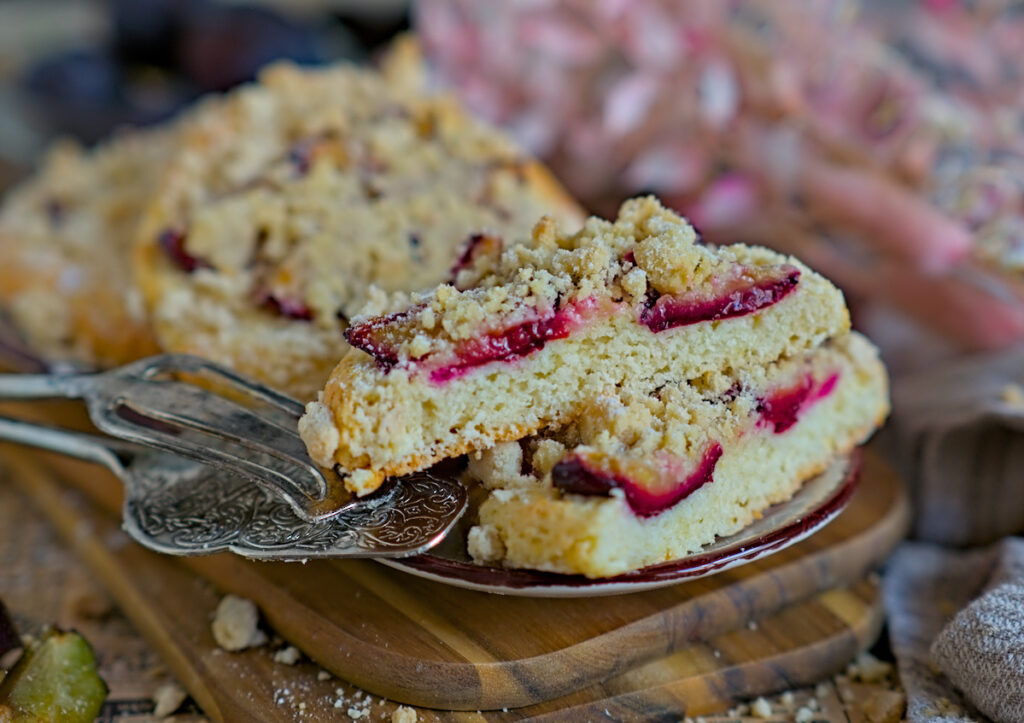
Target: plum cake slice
[527, 333]
[639, 479]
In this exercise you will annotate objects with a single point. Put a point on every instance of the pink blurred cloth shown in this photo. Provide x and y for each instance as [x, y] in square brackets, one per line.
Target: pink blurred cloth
[896, 126]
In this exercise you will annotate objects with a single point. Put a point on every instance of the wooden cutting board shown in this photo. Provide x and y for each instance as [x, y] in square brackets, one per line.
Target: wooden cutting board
[172, 607]
[433, 645]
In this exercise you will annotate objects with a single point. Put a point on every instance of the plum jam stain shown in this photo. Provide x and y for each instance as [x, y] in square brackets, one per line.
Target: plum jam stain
[577, 476]
[172, 241]
[743, 296]
[783, 408]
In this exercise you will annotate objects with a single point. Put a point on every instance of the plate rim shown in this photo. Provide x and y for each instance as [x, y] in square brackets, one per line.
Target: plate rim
[538, 583]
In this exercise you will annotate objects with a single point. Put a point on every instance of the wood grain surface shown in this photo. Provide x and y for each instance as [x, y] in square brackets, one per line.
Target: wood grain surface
[429, 644]
[798, 644]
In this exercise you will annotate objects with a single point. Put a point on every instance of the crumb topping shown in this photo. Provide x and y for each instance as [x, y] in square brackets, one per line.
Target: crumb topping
[640, 260]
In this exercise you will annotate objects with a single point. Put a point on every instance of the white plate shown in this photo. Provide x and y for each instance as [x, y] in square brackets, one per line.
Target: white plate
[816, 503]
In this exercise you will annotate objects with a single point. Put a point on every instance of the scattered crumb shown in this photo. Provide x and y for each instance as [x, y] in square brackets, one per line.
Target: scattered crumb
[787, 698]
[761, 708]
[1013, 394]
[869, 669]
[403, 714]
[821, 690]
[356, 713]
[751, 625]
[235, 624]
[885, 706]
[168, 698]
[287, 656]
[804, 715]
[8, 659]
[942, 707]
[323, 675]
[484, 544]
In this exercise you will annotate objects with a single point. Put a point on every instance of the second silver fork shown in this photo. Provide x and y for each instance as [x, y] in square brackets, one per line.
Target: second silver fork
[249, 431]
[252, 434]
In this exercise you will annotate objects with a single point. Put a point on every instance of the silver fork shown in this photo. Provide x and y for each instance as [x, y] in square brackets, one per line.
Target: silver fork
[254, 438]
[148, 403]
[181, 507]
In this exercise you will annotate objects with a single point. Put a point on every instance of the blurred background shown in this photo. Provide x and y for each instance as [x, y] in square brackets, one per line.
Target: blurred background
[879, 141]
[85, 67]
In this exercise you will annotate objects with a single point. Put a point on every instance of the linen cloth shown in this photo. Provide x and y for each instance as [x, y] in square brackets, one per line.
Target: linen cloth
[956, 625]
[956, 616]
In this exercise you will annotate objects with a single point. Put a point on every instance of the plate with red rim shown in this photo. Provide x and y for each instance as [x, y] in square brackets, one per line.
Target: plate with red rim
[816, 503]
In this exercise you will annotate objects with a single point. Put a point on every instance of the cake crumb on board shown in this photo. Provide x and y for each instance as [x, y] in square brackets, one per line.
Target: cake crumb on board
[167, 699]
[404, 714]
[236, 624]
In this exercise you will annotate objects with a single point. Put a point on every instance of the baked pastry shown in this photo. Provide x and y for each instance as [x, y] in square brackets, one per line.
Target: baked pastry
[290, 200]
[640, 479]
[65, 240]
[530, 334]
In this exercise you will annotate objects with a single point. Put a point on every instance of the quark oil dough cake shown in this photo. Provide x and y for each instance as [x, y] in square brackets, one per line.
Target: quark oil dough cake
[627, 393]
[291, 198]
[65, 242]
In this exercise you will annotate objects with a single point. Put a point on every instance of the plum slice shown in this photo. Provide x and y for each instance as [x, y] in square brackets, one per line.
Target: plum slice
[473, 248]
[649, 489]
[382, 337]
[286, 306]
[510, 343]
[781, 409]
[172, 241]
[742, 293]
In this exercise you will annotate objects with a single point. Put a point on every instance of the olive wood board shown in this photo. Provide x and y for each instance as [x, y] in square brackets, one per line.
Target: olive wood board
[433, 645]
[798, 644]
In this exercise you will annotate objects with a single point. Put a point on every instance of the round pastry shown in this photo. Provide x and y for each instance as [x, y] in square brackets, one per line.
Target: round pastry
[65, 240]
[297, 196]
